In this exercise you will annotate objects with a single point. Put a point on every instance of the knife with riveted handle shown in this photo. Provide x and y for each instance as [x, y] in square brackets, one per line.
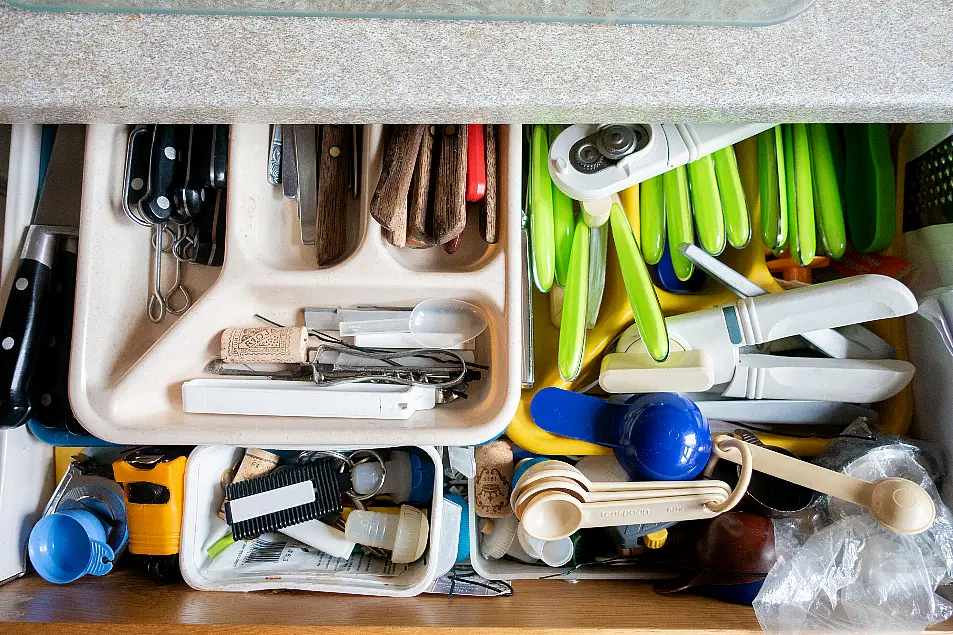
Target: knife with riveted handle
[389, 204]
[334, 165]
[420, 221]
[24, 315]
[166, 172]
[450, 207]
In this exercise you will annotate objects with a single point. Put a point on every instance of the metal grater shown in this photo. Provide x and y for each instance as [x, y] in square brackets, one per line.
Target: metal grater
[928, 199]
[327, 492]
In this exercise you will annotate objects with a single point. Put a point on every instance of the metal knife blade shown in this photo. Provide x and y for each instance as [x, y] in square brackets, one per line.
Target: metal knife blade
[24, 316]
[306, 166]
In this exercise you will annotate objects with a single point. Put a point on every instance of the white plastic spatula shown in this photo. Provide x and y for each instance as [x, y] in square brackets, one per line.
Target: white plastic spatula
[434, 323]
[898, 504]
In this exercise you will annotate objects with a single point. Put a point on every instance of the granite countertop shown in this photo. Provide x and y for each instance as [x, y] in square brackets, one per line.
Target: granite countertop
[839, 60]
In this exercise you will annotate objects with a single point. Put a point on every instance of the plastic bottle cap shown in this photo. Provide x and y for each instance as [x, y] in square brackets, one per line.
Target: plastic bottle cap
[463, 543]
[412, 535]
[494, 545]
[655, 540]
[556, 553]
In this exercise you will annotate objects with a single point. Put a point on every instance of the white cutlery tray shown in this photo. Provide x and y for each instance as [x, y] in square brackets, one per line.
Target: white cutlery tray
[201, 527]
[126, 373]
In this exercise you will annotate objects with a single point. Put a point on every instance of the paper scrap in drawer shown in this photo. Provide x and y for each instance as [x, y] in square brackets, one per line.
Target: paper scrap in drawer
[279, 555]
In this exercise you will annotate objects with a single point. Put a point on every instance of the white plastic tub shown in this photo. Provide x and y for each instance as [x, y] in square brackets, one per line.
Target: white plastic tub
[201, 526]
[126, 373]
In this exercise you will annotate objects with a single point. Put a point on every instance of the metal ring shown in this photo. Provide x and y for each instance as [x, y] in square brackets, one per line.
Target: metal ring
[746, 470]
[371, 456]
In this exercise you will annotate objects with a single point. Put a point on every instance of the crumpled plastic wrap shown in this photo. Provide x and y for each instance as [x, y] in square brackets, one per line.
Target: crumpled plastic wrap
[839, 570]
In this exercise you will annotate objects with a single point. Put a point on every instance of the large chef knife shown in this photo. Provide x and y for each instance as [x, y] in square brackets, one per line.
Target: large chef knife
[57, 213]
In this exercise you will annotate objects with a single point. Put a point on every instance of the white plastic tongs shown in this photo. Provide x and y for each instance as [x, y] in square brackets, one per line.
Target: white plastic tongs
[709, 347]
[592, 161]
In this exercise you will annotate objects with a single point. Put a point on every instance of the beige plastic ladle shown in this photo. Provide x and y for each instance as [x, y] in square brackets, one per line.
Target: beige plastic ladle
[571, 486]
[898, 504]
[556, 515]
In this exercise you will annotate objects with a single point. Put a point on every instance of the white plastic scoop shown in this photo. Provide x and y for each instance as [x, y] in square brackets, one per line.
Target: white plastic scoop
[568, 486]
[898, 504]
[434, 323]
[556, 515]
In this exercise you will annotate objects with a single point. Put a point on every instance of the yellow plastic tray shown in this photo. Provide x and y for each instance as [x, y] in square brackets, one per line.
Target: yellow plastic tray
[616, 315]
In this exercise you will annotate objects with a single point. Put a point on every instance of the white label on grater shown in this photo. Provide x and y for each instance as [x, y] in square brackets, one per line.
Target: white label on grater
[272, 501]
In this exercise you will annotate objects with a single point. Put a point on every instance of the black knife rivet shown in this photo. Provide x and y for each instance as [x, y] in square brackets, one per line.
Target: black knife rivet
[21, 284]
[58, 288]
[7, 343]
[169, 152]
[46, 400]
[162, 202]
[51, 342]
[136, 184]
[450, 130]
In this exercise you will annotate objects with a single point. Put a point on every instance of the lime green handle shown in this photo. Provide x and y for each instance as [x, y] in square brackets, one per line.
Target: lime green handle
[639, 287]
[541, 213]
[706, 205]
[871, 187]
[828, 208]
[733, 203]
[774, 222]
[652, 219]
[563, 225]
[572, 330]
[598, 248]
[678, 218]
[803, 238]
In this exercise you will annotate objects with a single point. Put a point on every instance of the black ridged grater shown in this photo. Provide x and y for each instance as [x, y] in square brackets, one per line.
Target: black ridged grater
[324, 477]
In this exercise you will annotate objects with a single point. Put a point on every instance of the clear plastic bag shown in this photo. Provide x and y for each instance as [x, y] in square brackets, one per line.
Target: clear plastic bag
[839, 570]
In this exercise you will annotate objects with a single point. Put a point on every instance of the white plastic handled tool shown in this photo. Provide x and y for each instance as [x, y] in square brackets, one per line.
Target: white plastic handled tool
[272, 398]
[831, 342]
[853, 380]
[592, 161]
[898, 504]
[715, 337]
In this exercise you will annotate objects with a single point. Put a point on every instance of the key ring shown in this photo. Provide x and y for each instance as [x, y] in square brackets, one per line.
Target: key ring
[718, 451]
[347, 460]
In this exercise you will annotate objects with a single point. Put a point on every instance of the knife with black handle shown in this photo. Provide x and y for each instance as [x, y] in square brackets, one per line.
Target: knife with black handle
[49, 387]
[219, 163]
[167, 172]
[23, 317]
[193, 197]
[210, 237]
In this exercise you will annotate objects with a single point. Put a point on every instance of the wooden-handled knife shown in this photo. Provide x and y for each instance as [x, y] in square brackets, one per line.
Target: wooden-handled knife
[334, 154]
[450, 206]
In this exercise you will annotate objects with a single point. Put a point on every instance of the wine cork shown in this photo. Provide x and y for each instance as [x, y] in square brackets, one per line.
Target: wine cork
[494, 472]
[288, 345]
[255, 463]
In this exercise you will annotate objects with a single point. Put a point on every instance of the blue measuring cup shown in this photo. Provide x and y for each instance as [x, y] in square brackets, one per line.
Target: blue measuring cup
[67, 545]
[658, 436]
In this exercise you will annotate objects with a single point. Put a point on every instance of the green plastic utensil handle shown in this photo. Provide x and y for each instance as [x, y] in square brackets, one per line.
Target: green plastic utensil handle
[652, 219]
[706, 205]
[806, 240]
[828, 209]
[871, 188]
[733, 203]
[639, 287]
[678, 218]
[563, 225]
[541, 213]
[572, 330]
[598, 248]
[770, 191]
[783, 199]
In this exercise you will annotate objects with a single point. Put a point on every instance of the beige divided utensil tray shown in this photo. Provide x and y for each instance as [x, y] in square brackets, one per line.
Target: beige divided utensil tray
[126, 373]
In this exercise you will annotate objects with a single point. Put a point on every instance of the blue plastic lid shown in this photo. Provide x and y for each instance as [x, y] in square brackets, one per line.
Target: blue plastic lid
[664, 437]
[463, 545]
[421, 484]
